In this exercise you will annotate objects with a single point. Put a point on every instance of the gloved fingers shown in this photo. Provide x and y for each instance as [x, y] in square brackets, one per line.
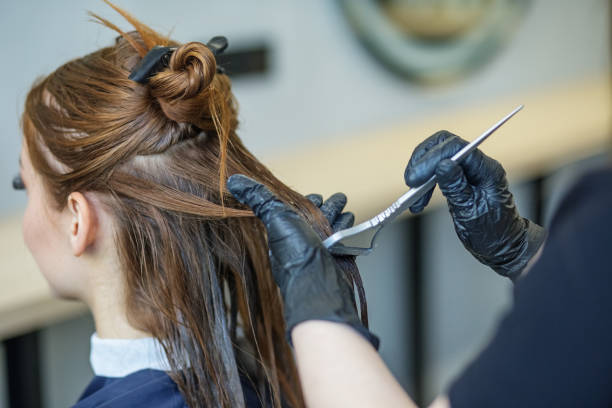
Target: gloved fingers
[422, 202]
[344, 221]
[289, 235]
[332, 210]
[454, 184]
[257, 196]
[482, 170]
[479, 168]
[422, 169]
[315, 199]
[412, 174]
[333, 206]
[429, 143]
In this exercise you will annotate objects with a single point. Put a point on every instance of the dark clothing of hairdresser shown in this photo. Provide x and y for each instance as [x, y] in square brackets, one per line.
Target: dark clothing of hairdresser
[553, 349]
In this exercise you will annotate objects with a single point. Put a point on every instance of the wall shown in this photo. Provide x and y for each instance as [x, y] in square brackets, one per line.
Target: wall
[322, 83]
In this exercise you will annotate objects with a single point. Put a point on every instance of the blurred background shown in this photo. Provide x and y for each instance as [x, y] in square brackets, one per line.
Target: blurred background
[334, 95]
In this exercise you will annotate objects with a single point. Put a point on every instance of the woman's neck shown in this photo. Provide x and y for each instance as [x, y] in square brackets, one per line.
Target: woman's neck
[112, 323]
[106, 300]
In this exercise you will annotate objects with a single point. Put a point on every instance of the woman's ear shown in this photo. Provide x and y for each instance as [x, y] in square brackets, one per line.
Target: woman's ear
[83, 223]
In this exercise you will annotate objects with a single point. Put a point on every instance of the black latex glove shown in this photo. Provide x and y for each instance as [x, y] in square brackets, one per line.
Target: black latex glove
[332, 210]
[310, 283]
[480, 203]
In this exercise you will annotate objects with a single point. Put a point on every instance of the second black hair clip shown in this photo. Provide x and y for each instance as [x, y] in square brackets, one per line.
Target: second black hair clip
[158, 58]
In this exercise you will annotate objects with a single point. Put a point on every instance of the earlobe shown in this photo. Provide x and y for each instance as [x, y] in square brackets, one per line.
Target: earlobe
[83, 223]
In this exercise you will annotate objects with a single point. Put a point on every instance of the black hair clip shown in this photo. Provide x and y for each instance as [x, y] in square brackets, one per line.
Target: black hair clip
[158, 58]
[217, 45]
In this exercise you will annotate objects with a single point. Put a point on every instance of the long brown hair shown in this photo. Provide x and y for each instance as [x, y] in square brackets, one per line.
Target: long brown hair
[195, 261]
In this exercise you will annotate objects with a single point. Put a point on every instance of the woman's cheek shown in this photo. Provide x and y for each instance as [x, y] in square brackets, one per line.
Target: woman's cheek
[36, 235]
[28, 229]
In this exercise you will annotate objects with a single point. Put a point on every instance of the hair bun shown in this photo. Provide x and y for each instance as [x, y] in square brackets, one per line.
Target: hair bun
[190, 71]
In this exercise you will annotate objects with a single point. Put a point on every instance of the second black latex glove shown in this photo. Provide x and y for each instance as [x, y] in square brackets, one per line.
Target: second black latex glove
[481, 205]
[332, 210]
[310, 283]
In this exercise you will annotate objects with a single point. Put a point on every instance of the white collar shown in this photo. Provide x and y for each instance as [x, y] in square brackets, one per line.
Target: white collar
[121, 357]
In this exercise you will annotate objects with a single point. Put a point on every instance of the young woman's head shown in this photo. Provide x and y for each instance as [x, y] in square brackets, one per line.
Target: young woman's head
[127, 211]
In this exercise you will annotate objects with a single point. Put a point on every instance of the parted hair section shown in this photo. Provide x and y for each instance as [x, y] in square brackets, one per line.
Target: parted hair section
[195, 261]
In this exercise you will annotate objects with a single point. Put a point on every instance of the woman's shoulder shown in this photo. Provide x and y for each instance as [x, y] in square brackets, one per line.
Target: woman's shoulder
[144, 388]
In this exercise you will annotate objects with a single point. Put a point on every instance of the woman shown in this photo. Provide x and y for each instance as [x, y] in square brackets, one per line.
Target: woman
[127, 212]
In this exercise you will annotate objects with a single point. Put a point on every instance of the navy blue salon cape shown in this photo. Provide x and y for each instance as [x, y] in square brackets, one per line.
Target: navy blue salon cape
[554, 348]
[145, 388]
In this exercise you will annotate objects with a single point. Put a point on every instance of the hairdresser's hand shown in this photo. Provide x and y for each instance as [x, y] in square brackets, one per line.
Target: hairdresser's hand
[332, 210]
[481, 205]
[311, 284]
